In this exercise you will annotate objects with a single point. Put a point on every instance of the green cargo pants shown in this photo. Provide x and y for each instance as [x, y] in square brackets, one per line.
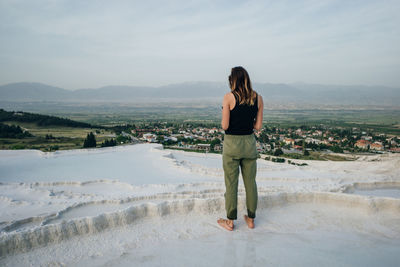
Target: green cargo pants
[240, 150]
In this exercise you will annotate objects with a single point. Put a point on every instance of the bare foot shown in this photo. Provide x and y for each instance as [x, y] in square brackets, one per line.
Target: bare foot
[227, 224]
[249, 221]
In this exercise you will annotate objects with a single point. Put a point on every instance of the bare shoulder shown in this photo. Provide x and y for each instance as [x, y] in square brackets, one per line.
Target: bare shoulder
[229, 95]
[229, 98]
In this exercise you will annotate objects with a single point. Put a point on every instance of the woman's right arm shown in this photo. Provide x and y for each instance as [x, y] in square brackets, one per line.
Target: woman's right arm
[259, 117]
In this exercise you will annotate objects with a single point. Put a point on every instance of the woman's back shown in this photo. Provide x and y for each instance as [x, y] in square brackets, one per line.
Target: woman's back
[242, 117]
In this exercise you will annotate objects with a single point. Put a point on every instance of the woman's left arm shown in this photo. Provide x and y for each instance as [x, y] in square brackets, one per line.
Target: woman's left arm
[259, 117]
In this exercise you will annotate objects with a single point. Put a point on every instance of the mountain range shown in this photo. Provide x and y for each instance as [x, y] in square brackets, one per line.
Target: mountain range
[272, 93]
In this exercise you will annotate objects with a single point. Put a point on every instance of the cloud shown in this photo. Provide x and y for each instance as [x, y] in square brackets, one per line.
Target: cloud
[78, 44]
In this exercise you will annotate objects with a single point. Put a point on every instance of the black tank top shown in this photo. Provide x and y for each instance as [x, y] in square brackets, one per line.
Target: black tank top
[242, 117]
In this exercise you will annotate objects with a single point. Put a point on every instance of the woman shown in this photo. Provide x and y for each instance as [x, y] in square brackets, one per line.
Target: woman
[242, 112]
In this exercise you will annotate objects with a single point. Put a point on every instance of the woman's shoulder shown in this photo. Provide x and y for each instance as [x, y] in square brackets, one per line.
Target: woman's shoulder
[258, 95]
[230, 99]
[229, 96]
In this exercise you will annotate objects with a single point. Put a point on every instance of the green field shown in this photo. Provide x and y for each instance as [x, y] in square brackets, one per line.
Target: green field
[314, 155]
[64, 137]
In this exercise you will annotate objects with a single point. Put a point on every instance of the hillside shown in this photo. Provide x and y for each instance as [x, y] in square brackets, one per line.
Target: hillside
[40, 120]
[24, 130]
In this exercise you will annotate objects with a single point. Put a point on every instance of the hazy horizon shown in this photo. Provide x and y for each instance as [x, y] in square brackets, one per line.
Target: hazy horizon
[195, 82]
[75, 44]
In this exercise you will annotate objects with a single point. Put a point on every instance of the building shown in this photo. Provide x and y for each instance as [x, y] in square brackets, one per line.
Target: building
[317, 133]
[172, 138]
[298, 147]
[205, 147]
[326, 142]
[363, 144]
[213, 130]
[217, 147]
[289, 141]
[139, 132]
[376, 146]
[309, 140]
[149, 137]
[366, 137]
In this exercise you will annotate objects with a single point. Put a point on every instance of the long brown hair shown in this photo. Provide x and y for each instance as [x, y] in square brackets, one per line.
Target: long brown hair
[240, 83]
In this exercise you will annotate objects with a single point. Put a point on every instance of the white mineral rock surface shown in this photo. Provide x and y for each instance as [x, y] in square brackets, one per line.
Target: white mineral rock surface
[140, 205]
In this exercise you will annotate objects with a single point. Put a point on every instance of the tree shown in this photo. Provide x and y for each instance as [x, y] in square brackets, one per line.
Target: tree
[160, 138]
[336, 149]
[110, 142]
[214, 142]
[272, 146]
[264, 138]
[278, 152]
[123, 139]
[305, 151]
[90, 140]
[13, 131]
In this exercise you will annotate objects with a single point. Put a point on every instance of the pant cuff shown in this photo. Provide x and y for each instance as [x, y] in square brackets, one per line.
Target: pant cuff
[232, 215]
[251, 214]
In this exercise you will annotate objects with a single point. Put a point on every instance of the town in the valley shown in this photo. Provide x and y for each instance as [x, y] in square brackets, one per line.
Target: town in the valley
[272, 140]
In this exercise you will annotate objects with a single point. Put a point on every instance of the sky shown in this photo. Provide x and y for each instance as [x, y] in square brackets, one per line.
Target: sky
[89, 44]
